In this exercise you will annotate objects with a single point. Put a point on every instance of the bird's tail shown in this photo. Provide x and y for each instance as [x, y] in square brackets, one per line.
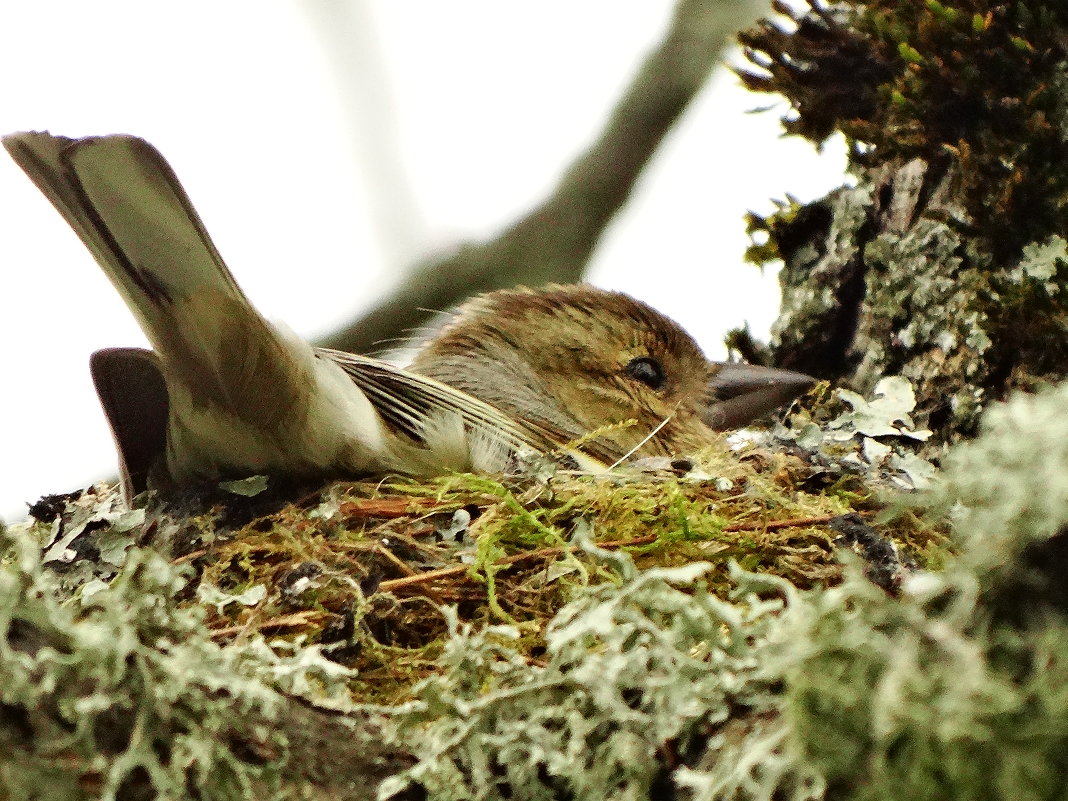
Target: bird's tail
[125, 202]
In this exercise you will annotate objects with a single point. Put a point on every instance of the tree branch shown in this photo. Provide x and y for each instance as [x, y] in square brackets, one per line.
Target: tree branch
[554, 242]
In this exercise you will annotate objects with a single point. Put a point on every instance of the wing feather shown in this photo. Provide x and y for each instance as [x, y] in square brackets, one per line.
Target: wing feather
[410, 401]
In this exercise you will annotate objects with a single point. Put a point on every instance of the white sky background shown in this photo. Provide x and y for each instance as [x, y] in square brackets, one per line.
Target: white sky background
[483, 104]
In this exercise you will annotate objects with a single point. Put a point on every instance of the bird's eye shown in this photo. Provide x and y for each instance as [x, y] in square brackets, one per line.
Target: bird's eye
[648, 371]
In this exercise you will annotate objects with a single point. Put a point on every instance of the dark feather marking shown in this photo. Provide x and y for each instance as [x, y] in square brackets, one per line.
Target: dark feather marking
[396, 393]
[145, 281]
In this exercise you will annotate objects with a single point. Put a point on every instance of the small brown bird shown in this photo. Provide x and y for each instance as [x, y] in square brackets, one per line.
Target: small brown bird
[224, 392]
[569, 360]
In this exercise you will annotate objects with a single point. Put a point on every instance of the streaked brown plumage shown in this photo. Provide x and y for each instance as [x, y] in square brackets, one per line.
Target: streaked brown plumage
[225, 392]
[568, 360]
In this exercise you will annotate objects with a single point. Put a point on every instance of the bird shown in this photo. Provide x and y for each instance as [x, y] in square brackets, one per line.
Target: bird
[590, 376]
[567, 360]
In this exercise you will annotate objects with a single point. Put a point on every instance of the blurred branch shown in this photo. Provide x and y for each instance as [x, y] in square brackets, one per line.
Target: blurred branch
[349, 40]
[554, 242]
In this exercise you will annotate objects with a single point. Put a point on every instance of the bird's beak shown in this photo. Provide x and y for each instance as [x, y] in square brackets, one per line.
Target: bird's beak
[740, 393]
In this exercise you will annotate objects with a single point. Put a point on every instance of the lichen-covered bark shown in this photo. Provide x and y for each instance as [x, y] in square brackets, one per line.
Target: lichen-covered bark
[119, 692]
[944, 263]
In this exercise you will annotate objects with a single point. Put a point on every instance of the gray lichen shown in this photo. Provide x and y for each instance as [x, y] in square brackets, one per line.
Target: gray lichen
[647, 685]
[956, 689]
[631, 673]
[119, 690]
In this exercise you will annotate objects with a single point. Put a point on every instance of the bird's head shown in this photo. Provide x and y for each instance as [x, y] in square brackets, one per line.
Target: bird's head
[570, 360]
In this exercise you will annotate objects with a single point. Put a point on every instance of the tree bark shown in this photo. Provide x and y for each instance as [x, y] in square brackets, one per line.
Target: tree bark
[945, 263]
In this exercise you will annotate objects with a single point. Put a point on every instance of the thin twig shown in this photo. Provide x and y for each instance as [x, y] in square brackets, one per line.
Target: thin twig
[283, 622]
[459, 570]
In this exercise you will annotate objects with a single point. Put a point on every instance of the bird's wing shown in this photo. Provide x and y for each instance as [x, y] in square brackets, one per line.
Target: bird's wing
[409, 402]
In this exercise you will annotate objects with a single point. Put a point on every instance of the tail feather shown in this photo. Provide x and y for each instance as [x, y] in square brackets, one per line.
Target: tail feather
[41, 157]
[124, 201]
[133, 393]
[240, 394]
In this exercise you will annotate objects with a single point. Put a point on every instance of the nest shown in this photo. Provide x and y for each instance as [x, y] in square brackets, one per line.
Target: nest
[365, 568]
